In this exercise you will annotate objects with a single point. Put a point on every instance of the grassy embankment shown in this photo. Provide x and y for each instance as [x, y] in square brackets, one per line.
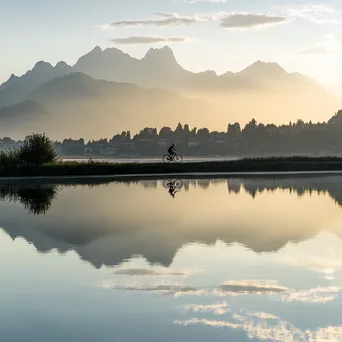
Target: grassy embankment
[275, 164]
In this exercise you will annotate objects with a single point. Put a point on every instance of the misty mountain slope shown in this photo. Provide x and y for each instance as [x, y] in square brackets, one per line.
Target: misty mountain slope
[81, 86]
[78, 85]
[17, 88]
[19, 118]
[80, 106]
[266, 106]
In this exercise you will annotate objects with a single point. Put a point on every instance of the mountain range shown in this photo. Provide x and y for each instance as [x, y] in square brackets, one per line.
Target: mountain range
[110, 89]
[77, 105]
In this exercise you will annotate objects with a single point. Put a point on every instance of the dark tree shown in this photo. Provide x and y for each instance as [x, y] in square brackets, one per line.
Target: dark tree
[37, 150]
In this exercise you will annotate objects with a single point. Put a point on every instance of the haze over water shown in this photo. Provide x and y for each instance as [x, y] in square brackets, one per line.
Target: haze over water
[255, 259]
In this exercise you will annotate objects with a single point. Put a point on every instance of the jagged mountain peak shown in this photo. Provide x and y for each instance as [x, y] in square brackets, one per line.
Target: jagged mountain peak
[42, 65]
[163, 55]
[13, 77]
[96, 49]
[264, 68]
[62, 64]
[91, 55]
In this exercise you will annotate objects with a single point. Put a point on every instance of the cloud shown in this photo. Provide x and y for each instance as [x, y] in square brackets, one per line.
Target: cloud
[281, 14]
[227, 20]
[163, 19]
[315, 50]
[149, 272]
[316, 13]
[195, 1]
[248, 20]
[132, 40]
[328, 47]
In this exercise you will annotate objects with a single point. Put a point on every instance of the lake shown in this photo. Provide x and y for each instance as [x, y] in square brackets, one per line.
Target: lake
[238, 259]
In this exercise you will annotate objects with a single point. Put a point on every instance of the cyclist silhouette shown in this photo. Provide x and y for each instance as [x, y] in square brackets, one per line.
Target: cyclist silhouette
[173, 186]
[172, 189]
[172, 151]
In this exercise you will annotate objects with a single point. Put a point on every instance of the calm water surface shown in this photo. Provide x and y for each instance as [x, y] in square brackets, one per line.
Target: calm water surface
[255, 259]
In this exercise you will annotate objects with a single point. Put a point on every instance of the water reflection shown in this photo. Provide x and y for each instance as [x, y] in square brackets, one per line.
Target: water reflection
[37, 196]
[107, 222]
[264, 326]
[36, 199]
[173, 185]
[235, 259]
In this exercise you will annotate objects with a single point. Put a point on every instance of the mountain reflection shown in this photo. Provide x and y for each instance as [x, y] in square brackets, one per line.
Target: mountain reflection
[107, 222]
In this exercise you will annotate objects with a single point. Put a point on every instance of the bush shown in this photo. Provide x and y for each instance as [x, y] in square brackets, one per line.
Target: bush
[9, 159]
[37, 150]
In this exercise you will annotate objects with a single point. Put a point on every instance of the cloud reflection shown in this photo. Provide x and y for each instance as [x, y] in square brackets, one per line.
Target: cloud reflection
[229, 288]
[217, 308]
[262, 329]
[321, 265]
[252, 286]
[168, 289]
[149, 271]
[235, 288]
[315, 295]
[270, 328]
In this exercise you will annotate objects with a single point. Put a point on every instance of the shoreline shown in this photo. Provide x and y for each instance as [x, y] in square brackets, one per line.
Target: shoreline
[146, 177]
[277, 166]
[183, 175]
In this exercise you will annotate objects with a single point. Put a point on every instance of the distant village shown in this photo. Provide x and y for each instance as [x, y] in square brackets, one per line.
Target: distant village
[254, 139]
[147, 143]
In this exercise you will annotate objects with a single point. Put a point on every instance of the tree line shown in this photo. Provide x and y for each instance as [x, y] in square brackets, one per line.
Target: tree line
[254, 139]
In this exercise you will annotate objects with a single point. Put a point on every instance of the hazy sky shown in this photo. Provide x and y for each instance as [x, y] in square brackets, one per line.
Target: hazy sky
[301, 35]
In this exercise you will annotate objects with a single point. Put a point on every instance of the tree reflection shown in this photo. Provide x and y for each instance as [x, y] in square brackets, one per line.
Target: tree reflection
[36, 199]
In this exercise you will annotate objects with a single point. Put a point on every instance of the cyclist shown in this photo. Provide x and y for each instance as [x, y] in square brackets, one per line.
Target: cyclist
[172, 151]
[172, 189]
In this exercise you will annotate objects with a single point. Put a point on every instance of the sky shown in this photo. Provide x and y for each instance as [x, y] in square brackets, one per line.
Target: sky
[302, 36]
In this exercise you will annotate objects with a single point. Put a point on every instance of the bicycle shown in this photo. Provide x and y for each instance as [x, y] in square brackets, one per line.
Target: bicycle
[177, 158]
[178, 184]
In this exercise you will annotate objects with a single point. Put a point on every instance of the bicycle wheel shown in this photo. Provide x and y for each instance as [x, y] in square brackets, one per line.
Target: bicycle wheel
[166, 182]
[178, 158]
[166, 159]
[178, 184]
